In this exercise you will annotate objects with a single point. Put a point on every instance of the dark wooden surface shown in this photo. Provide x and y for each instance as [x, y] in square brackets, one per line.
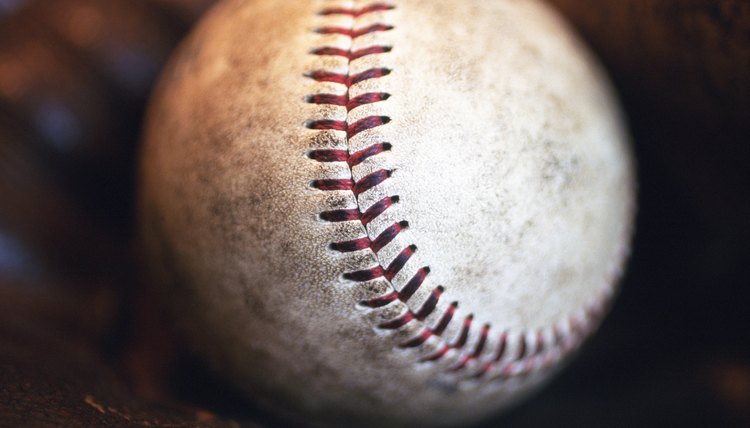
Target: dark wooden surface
[82, 343]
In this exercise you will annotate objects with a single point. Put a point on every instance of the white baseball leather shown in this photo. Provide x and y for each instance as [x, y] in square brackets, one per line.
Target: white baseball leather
[509, 160]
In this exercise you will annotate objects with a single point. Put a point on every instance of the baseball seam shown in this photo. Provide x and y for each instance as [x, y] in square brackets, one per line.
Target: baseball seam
[534, 350]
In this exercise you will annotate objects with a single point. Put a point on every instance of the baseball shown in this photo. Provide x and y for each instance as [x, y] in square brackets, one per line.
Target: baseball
[386, 213]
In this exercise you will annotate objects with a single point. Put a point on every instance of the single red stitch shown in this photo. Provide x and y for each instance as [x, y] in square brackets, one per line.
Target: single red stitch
[414, 283]
[440, 353]
[343, 100]
[349, 54]
[521, 348]
[364, 274]
[375, 7]
[352, 33]
[333, 99]
[328, 155]
[333, 184]
[372, 73]
[371, 50]
[330, 50]
[398, 322]
[378, 208]
[340, 215]
[371, 29]
[330, 76]
[364, 154]
[446, 318]
[387, 236]
[370, 180]
[482, 341]
[462, 362]
[336, 125]
[461, 341]
[398, 263]
[337, 155]
[501, 346]
[381, 301]
[539, 342]
[364, 124]
[364, 99]
[353, 245]
[417, 340]
[430, 304]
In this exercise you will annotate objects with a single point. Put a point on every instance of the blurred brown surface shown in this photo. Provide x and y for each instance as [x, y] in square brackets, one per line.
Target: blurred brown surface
[83, 344]
[74, 78]
[52, 375]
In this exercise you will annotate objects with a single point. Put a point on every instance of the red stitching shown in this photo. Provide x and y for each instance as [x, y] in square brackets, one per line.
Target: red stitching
[351, 130]
[354, 214]
[438, 330]
[362, 155]
[375, 245]
[414, 283]
[397, 322]
[456, 344]
[334, 155]
[337, 100]
[342, 100]
[350, 54]
[340, 215]
[353, 245]
[465, 359]
[387, 236]
[364, 274]
[381, 301]
[344, 79]
[501, 346]
[378, 208]
[333, 184]
[365, 99]
[430, 304]
[353, 34]
[329, 155]
[336, 125]
[409, 289]
[356, 13]
[446, 319]
[398, 263]
[522, 348]
[371, 180]
[365, 124]
[529, 355]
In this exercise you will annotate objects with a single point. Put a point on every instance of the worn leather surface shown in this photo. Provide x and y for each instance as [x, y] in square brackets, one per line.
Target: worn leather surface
[671, 353]
[510, 160]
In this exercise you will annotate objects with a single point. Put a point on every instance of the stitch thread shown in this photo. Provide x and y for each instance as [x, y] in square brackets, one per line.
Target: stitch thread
[530, 355]
[356, 13]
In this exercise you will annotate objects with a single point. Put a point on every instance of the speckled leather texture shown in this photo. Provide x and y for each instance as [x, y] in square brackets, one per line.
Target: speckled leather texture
[508, 156]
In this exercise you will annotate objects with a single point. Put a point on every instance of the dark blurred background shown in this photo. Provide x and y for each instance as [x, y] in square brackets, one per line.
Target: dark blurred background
[82, 341]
